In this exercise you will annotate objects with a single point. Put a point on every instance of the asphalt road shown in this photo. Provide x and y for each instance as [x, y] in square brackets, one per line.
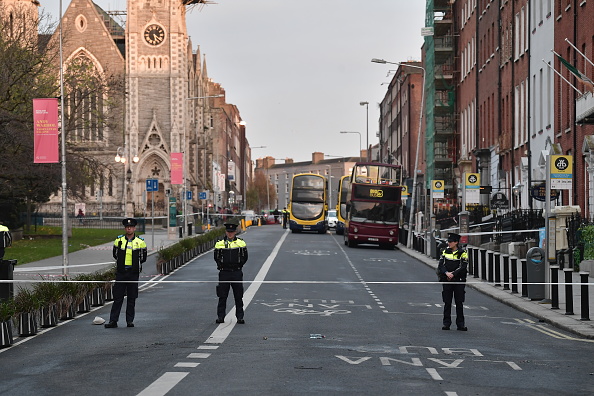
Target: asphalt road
[321, 318]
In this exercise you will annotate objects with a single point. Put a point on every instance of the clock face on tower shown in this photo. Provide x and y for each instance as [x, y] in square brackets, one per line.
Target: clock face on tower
[154, 34]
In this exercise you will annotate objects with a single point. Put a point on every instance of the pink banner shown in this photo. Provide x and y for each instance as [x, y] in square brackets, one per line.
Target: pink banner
[45, 131]
[177, 168]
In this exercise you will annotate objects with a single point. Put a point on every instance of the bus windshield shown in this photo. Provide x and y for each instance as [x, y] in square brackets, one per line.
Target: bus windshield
[375, 212]
[307, 210]
[308, 197]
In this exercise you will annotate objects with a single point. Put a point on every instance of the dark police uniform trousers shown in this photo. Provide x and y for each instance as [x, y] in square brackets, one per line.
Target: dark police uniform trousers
[120, 289]
[223, 292]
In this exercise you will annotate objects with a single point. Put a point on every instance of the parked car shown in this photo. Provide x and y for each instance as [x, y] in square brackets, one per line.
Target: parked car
[332, 219]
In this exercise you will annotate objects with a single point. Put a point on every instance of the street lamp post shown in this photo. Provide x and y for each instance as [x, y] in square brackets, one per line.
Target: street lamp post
[366, 104]
[414, 189]
[359, 140]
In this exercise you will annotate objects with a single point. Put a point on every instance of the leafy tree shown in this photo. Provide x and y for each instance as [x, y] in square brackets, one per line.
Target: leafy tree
[256, 193]
[29, 69]
[24, 75]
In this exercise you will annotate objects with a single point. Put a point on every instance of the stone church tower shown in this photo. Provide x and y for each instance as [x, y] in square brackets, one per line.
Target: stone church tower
[156, 115]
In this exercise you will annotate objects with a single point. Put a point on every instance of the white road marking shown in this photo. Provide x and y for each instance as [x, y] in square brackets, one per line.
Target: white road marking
[434, 374]
[164, 384]
[208, 347]
[186, 364]
[198, 355]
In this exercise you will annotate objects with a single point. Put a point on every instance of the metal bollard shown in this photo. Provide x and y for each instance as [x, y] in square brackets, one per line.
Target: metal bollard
[7, 273]
[514, 274]
[554, 287]
[476, 263]
[568, 291]
[505, 271]
[490, 264]
[483, 264]
[181, 231]
[585, 297]
[524, 277]
[497, 269]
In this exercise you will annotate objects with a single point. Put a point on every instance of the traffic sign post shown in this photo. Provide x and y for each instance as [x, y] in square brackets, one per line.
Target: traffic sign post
[152, 185]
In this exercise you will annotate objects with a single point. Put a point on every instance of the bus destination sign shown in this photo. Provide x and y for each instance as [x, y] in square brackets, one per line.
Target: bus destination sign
[384, 193]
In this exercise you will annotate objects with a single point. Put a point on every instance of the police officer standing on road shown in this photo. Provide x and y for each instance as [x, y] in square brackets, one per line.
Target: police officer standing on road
[230, 254]
[452, 270]
[130, 252]
[285, 217]
[5, 239]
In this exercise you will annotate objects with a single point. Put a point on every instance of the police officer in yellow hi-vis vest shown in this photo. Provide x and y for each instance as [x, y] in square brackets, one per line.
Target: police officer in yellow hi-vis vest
[230, 254]
[5, 239]
[285, 214]
[130, 252]
[453, 267]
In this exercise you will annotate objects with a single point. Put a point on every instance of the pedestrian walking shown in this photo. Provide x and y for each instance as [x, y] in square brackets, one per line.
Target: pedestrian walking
[80, 216]
[230, 254]
[452, 271]
[5, 239]
[129, 251]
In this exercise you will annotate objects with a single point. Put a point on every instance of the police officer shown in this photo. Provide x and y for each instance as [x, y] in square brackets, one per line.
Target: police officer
[5, 239]
[452, 270]
[230, 254]
[129, 251]
[285, 217]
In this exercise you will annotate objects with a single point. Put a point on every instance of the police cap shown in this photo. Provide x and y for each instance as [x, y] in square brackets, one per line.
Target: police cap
[452, 237]
[129, 222]
[232, 227]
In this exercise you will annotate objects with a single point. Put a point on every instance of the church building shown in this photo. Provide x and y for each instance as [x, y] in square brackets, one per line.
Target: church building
[160, 118]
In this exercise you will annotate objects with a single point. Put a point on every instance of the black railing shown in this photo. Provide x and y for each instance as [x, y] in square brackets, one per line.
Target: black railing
[518, 220]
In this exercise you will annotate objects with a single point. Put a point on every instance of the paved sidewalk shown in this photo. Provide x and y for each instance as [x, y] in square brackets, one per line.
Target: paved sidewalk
[556, 317]
[88, 260]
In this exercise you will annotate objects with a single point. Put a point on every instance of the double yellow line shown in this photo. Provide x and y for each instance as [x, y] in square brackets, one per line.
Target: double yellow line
[549, 331]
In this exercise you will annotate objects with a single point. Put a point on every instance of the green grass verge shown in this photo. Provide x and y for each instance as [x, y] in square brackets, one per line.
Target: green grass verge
[29, 250]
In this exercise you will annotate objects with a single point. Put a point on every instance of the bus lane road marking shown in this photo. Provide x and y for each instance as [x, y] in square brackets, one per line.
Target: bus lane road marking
[469, 356]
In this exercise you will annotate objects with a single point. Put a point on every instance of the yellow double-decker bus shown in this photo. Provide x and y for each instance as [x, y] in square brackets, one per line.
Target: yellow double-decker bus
[341, 207]
[307, 206]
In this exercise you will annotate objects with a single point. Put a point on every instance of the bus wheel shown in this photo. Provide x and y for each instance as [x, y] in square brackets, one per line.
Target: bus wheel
[351, 244]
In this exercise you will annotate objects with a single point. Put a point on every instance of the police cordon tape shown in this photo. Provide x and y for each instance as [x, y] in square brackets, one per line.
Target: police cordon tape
[288, 282]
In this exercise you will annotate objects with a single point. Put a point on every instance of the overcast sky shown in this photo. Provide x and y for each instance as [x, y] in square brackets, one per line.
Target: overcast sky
[297, 70]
